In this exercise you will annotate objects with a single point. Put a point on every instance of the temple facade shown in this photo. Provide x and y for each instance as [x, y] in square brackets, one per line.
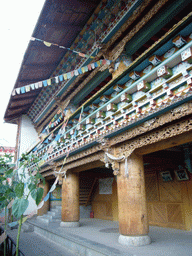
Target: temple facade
[111, 119]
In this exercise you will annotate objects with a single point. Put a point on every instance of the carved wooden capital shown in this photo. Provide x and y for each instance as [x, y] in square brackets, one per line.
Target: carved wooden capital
[115, 167]
[60, 172]
[104, 142]
[113, 161]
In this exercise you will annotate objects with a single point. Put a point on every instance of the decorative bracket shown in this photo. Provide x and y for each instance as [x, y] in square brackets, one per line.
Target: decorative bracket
[105, 144]
[60, 174]
[114, 161]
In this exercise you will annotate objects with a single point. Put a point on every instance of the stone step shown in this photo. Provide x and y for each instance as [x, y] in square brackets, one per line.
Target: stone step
[55, 210]
[47, 219]
[54, 215]
[26, 227]
[75, 244]
[43, 219]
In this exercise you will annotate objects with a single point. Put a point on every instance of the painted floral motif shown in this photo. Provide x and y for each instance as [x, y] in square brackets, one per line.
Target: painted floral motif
[186, 54]
[169, 53]
[147, 69]
[179, 41]
[155, 60]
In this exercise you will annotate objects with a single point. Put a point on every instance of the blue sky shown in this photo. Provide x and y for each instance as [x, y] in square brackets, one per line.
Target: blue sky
[17, 19]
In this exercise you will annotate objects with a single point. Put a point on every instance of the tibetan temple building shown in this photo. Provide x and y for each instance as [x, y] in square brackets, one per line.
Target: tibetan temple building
[104, 99]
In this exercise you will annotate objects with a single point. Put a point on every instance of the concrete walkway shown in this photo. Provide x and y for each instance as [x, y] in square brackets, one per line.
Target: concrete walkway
[32, 244]
[97, 237]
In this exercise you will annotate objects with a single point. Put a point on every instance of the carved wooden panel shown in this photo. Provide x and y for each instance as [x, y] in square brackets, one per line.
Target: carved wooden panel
[151, 186]
[170, 191]
[160, 213]
[174, 213]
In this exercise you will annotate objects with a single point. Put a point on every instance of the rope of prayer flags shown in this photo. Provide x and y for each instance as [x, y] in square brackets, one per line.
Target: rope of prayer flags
[59, 78]
[48, 44]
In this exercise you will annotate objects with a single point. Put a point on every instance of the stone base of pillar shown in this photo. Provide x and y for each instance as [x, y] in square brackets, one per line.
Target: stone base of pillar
[134, 240]
[70, 224]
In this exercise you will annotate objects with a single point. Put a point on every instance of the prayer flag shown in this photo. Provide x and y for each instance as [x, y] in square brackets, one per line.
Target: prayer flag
[46, 197]
[89, 66]
[45, 83]
[40, 205]
[76, 72]
[22, 89]
[27, 88]
[61, 78]
[82, 55]
[80, 71]
[72, 73]
[57, 79]
[49, 81]
[36, 85]
[52, 188]
[57, 137]
[18, 90]
[83, 69]
[86, 68]
[32, 213]
[13, 92]
[47, 43]
[98, 63]
[93, 65]
[32, 86]
[69, 75]
[65, 76]
[40, 84]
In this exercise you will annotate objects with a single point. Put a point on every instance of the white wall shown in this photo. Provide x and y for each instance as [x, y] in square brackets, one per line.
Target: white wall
[28, 135]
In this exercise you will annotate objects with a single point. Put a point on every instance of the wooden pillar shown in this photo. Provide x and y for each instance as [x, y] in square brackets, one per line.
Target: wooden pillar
[45, 208]
[70, 201]
[133, 221]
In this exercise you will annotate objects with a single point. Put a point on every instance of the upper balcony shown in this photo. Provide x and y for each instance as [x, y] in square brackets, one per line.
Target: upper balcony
[138, 92]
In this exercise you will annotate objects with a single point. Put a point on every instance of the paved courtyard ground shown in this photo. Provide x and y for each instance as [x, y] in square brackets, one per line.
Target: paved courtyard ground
[99, 237]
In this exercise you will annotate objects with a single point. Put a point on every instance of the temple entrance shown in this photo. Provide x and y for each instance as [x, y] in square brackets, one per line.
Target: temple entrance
[168, 179]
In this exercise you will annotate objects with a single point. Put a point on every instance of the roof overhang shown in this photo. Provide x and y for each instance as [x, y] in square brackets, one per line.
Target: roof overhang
[59, 23]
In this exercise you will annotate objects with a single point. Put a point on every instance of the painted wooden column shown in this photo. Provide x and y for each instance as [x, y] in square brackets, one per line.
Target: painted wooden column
[45, 208]
[70, 201]
[133, 221]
